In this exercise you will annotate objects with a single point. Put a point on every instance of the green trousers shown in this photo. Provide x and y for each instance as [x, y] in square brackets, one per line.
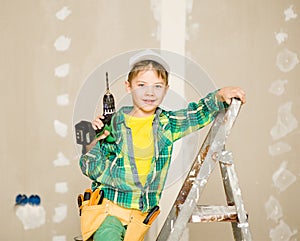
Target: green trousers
[110, 230]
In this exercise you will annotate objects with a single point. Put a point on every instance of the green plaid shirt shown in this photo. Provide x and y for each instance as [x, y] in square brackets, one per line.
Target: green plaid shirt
[112, 167]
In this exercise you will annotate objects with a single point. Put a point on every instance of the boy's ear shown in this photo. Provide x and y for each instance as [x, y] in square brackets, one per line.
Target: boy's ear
[127, 86]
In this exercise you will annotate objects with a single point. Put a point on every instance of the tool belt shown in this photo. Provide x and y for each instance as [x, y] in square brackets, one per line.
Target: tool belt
[93, 214]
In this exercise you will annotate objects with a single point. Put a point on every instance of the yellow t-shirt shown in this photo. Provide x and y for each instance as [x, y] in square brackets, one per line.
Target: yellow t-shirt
[143, 143]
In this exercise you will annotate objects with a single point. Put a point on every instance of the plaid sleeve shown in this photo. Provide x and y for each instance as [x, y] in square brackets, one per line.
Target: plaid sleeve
[93, 163]
[196, 116]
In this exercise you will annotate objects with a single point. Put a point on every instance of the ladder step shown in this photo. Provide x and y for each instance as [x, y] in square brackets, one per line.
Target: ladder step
[203, 213]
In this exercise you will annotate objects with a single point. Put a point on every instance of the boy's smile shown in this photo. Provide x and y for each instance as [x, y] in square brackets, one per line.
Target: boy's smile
[148, 91]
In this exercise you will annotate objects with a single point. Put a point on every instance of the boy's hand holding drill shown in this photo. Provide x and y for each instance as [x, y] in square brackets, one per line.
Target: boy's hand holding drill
[98, 124]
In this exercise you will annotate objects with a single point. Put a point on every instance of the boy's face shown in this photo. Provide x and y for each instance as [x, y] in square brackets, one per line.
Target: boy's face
[148, 91]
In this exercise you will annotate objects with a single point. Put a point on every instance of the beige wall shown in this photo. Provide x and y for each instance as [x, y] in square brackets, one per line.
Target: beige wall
[234, 41]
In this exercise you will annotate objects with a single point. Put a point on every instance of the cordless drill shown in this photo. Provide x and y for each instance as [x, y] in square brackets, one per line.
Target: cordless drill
[84, 130]
[108, 112]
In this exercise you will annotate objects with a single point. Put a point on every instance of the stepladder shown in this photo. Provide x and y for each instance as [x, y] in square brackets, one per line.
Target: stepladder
[186, 210]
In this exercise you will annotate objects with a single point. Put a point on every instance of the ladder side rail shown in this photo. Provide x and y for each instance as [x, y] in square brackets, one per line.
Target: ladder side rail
[241, 229]
[212, 148]
[230, 200]
[200, 157]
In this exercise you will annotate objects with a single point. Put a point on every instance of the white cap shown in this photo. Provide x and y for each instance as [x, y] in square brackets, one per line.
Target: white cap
[148, 55]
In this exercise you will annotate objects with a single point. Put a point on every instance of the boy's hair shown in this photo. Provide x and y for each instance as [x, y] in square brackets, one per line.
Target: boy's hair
[148, 65]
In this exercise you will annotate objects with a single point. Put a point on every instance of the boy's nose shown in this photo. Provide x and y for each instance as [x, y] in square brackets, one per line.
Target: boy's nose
[149, 90]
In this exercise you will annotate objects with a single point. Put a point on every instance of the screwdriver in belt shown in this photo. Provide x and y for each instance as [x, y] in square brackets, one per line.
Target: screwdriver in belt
[80, 201]
[152, 215]
[96, 197]
[87, 194]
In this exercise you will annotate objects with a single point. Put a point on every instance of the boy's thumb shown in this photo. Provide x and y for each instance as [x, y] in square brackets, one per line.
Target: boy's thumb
[104, 135]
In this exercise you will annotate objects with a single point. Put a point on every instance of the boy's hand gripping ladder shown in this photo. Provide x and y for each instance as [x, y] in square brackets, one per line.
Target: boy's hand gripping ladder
[185, 208]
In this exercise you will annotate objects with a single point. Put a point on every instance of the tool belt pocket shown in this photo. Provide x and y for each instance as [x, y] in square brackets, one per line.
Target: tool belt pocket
[136, 230]
[91, 219]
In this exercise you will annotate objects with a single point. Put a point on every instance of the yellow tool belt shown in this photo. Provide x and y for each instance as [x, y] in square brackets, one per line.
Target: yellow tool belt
[92, 217]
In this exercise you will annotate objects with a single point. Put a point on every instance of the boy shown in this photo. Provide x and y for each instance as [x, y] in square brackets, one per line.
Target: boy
[131, 171]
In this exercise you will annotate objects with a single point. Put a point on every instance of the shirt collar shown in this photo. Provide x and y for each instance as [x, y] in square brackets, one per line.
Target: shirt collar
[120, 118]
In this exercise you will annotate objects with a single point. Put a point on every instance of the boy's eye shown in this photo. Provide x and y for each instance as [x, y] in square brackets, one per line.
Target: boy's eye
[158, 86]
[140, 84]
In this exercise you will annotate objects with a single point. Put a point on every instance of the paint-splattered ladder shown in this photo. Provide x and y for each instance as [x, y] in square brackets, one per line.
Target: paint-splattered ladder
[185, 208]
